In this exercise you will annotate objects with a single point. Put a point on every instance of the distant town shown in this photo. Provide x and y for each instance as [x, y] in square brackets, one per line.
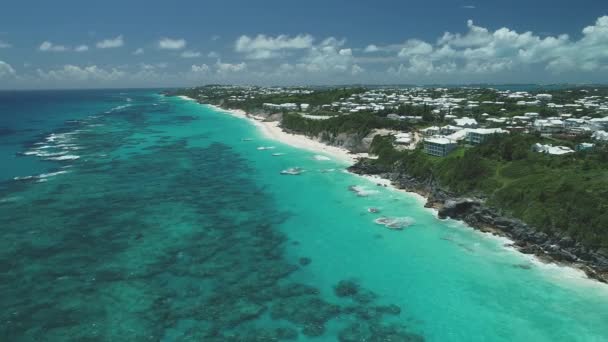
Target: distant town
[441, 119]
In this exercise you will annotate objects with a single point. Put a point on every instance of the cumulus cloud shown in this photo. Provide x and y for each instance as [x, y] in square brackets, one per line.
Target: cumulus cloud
[138, 51]
[415, 47]
[111, 43]
[75, 73]
[227, 67]
[328, 56]
[371, 48]
[190, 54]
[48, 46]
[81, 48]
[4, 45]
[199, 68]
[213, 54]
[356, 69]
[172, 44]
[6, 70]
[265, 47]
[482, 51]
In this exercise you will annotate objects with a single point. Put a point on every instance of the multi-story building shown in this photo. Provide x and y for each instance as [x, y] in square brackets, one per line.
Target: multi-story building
[439, 146]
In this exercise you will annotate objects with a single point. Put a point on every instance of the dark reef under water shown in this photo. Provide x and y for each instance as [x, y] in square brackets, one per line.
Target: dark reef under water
[174, 242]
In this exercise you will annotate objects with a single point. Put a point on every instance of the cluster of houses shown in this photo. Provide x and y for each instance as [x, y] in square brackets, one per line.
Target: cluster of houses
[440, 141]
[234, 93]
[586, 116]
[286, 107]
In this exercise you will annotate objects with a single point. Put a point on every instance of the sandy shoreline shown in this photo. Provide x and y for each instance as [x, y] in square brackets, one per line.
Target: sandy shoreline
[271, 130]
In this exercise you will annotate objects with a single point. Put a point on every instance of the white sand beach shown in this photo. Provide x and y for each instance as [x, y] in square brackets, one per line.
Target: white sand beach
[271, 130]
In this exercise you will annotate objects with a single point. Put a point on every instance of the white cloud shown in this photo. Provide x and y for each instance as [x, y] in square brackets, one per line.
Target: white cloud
[139, 51]
[75, 73]
[371, 48]
[171, 44]
[477, 36]
[482, 51]
[6, 70]
[48, 46]
[329, 56]
[111, 43]
[265, 47]
[469, 7]
[415, 47]
[199, 68]
[81, 48]
[4, 45]
[145, 66]
[227, 67]
[473, 54]
[215, 37]
[356, 69]
[190, 54]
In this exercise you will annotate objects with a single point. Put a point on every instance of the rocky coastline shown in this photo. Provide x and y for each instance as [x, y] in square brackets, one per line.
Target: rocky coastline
[474, 211]
[563, 249]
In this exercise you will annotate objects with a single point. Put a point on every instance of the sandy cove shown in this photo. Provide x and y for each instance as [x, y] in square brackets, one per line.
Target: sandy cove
[272, 130]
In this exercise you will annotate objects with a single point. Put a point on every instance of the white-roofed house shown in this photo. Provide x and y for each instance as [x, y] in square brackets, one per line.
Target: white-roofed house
[447, 130]
[553, 150]
[600, 135]
[466, 122]
[549, 126]
[439, 146]
[479, 135]
[430, 131]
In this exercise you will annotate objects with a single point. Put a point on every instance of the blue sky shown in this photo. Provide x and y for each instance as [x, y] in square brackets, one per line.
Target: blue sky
[67, 44]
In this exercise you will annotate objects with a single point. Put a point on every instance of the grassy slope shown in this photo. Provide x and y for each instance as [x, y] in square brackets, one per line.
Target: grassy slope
[553, 193]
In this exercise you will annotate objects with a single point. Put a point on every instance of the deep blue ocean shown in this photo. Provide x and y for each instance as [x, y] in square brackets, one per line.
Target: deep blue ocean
[129, 216]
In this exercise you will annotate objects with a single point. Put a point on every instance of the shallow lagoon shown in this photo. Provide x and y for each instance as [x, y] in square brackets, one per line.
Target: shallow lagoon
[170, 227]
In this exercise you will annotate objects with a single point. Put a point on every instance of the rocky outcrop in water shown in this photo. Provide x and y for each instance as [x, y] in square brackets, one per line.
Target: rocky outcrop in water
[476, 213]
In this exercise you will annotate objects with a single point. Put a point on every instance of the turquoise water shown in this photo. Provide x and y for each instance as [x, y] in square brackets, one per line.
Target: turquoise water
[170, 227]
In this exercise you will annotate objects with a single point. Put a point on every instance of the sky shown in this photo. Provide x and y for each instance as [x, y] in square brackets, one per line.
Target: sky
[134, 43]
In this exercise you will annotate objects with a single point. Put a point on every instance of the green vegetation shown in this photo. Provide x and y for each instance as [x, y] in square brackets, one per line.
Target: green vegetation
[553, 193]
[360, 124]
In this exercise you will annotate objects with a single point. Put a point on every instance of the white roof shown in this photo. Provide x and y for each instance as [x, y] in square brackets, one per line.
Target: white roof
[432, 128]
[554, 150]
[464, 121]
[403, 140]
[600, 135]
[440, 140]
[487, 131]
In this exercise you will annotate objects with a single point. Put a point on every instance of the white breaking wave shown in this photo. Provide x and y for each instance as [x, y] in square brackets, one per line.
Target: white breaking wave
[65, 157]
[395, 222]
[321, 158]
[51, 174]
[41, 177]
[117, 108]
[362, 191]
